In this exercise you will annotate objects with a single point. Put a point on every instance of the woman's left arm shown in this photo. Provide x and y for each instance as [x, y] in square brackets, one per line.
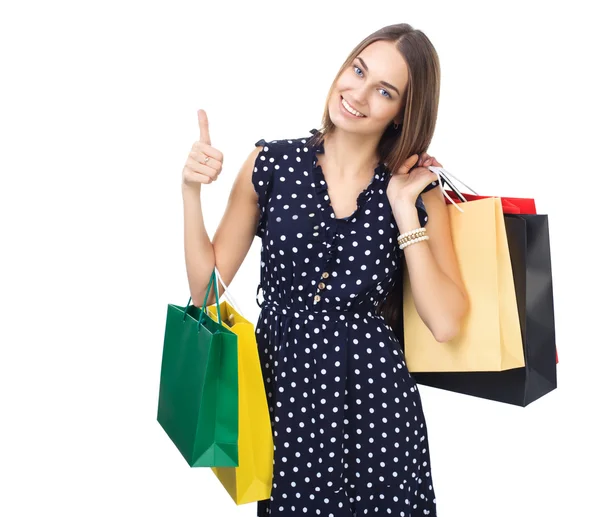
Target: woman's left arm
[436, 284]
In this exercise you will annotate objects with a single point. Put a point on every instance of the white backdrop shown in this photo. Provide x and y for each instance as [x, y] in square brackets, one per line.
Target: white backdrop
[98, 114]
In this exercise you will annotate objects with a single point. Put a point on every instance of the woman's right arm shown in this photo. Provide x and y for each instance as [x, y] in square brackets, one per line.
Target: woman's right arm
[233, 236]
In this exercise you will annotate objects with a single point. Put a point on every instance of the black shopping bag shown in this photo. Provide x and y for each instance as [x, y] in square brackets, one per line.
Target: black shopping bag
[529, 244]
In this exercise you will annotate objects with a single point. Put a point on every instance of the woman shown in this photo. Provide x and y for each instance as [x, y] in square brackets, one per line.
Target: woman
[337, 213]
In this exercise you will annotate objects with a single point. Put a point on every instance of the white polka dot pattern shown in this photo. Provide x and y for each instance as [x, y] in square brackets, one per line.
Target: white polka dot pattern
[348, 426]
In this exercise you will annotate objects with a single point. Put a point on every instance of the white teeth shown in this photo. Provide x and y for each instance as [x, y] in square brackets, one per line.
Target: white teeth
[350, 109]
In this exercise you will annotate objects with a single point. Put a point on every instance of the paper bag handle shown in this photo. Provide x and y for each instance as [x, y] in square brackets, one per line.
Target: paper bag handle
[445, 175]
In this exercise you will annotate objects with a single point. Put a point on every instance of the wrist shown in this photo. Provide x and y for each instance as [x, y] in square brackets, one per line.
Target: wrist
[404, 201]
[404, 206]
[187, 190]
[406, 215]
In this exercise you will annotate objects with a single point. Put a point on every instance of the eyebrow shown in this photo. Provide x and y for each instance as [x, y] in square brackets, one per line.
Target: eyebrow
[382, 82]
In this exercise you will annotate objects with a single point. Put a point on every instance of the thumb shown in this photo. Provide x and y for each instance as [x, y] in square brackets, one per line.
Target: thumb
[408, 164]
[203, 123]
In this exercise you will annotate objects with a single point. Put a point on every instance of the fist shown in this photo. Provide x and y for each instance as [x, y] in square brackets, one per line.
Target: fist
[204, 163]
[407, 182]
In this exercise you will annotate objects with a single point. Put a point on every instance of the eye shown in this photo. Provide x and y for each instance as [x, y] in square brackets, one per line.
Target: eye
[381, 89]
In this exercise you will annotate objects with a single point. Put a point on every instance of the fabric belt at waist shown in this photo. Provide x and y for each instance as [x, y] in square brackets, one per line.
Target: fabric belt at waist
[355, 312]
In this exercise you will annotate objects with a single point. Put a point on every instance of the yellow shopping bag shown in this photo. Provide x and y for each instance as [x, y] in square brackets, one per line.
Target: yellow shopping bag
[490, 338]
[251, 480]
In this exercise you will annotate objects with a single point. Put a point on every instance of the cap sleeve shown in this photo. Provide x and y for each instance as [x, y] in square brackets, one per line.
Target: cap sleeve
[432, 185]
[262, 177]
[423, 218]
[421, 212]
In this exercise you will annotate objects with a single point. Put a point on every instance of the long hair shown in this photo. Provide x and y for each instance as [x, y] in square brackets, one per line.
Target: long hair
[414, 133]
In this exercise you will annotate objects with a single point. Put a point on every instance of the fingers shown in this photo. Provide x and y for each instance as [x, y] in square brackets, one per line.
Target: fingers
[425, 161]
[193, 165]
[203, 150]
[203, 124]
[423, 177]
[204, 161]
[408, 164]
[207, 162]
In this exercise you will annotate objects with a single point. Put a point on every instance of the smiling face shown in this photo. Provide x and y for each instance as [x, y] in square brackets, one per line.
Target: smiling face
[374, 85]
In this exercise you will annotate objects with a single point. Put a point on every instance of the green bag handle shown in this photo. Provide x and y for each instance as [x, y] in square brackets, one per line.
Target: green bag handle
[212, 282]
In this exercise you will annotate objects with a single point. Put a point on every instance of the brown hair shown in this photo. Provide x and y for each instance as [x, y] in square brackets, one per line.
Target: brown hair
[414, 133]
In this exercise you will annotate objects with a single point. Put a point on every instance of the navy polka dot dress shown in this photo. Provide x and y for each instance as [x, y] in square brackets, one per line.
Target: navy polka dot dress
[348, 426]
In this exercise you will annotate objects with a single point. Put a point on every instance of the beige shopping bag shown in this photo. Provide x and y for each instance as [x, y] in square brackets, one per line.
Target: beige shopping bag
[490, 337]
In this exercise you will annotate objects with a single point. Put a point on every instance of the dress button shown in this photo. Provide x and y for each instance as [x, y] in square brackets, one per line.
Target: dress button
[317, 298]
[321, 285]
[325, 274]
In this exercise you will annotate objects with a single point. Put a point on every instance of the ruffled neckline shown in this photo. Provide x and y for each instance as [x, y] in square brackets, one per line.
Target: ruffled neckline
[380, 175]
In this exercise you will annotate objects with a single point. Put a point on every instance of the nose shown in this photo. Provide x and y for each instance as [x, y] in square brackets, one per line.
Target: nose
[360, 97]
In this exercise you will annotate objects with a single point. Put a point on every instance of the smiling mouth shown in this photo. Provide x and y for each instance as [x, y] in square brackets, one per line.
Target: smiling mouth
[344, 101]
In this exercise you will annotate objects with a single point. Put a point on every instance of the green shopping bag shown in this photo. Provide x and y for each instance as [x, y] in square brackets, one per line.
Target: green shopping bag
[198, 396]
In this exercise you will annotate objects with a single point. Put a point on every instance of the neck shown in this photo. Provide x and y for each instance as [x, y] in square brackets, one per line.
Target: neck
[350, 155]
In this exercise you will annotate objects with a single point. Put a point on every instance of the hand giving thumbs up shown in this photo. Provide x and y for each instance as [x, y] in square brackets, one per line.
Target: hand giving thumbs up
[204, 163]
